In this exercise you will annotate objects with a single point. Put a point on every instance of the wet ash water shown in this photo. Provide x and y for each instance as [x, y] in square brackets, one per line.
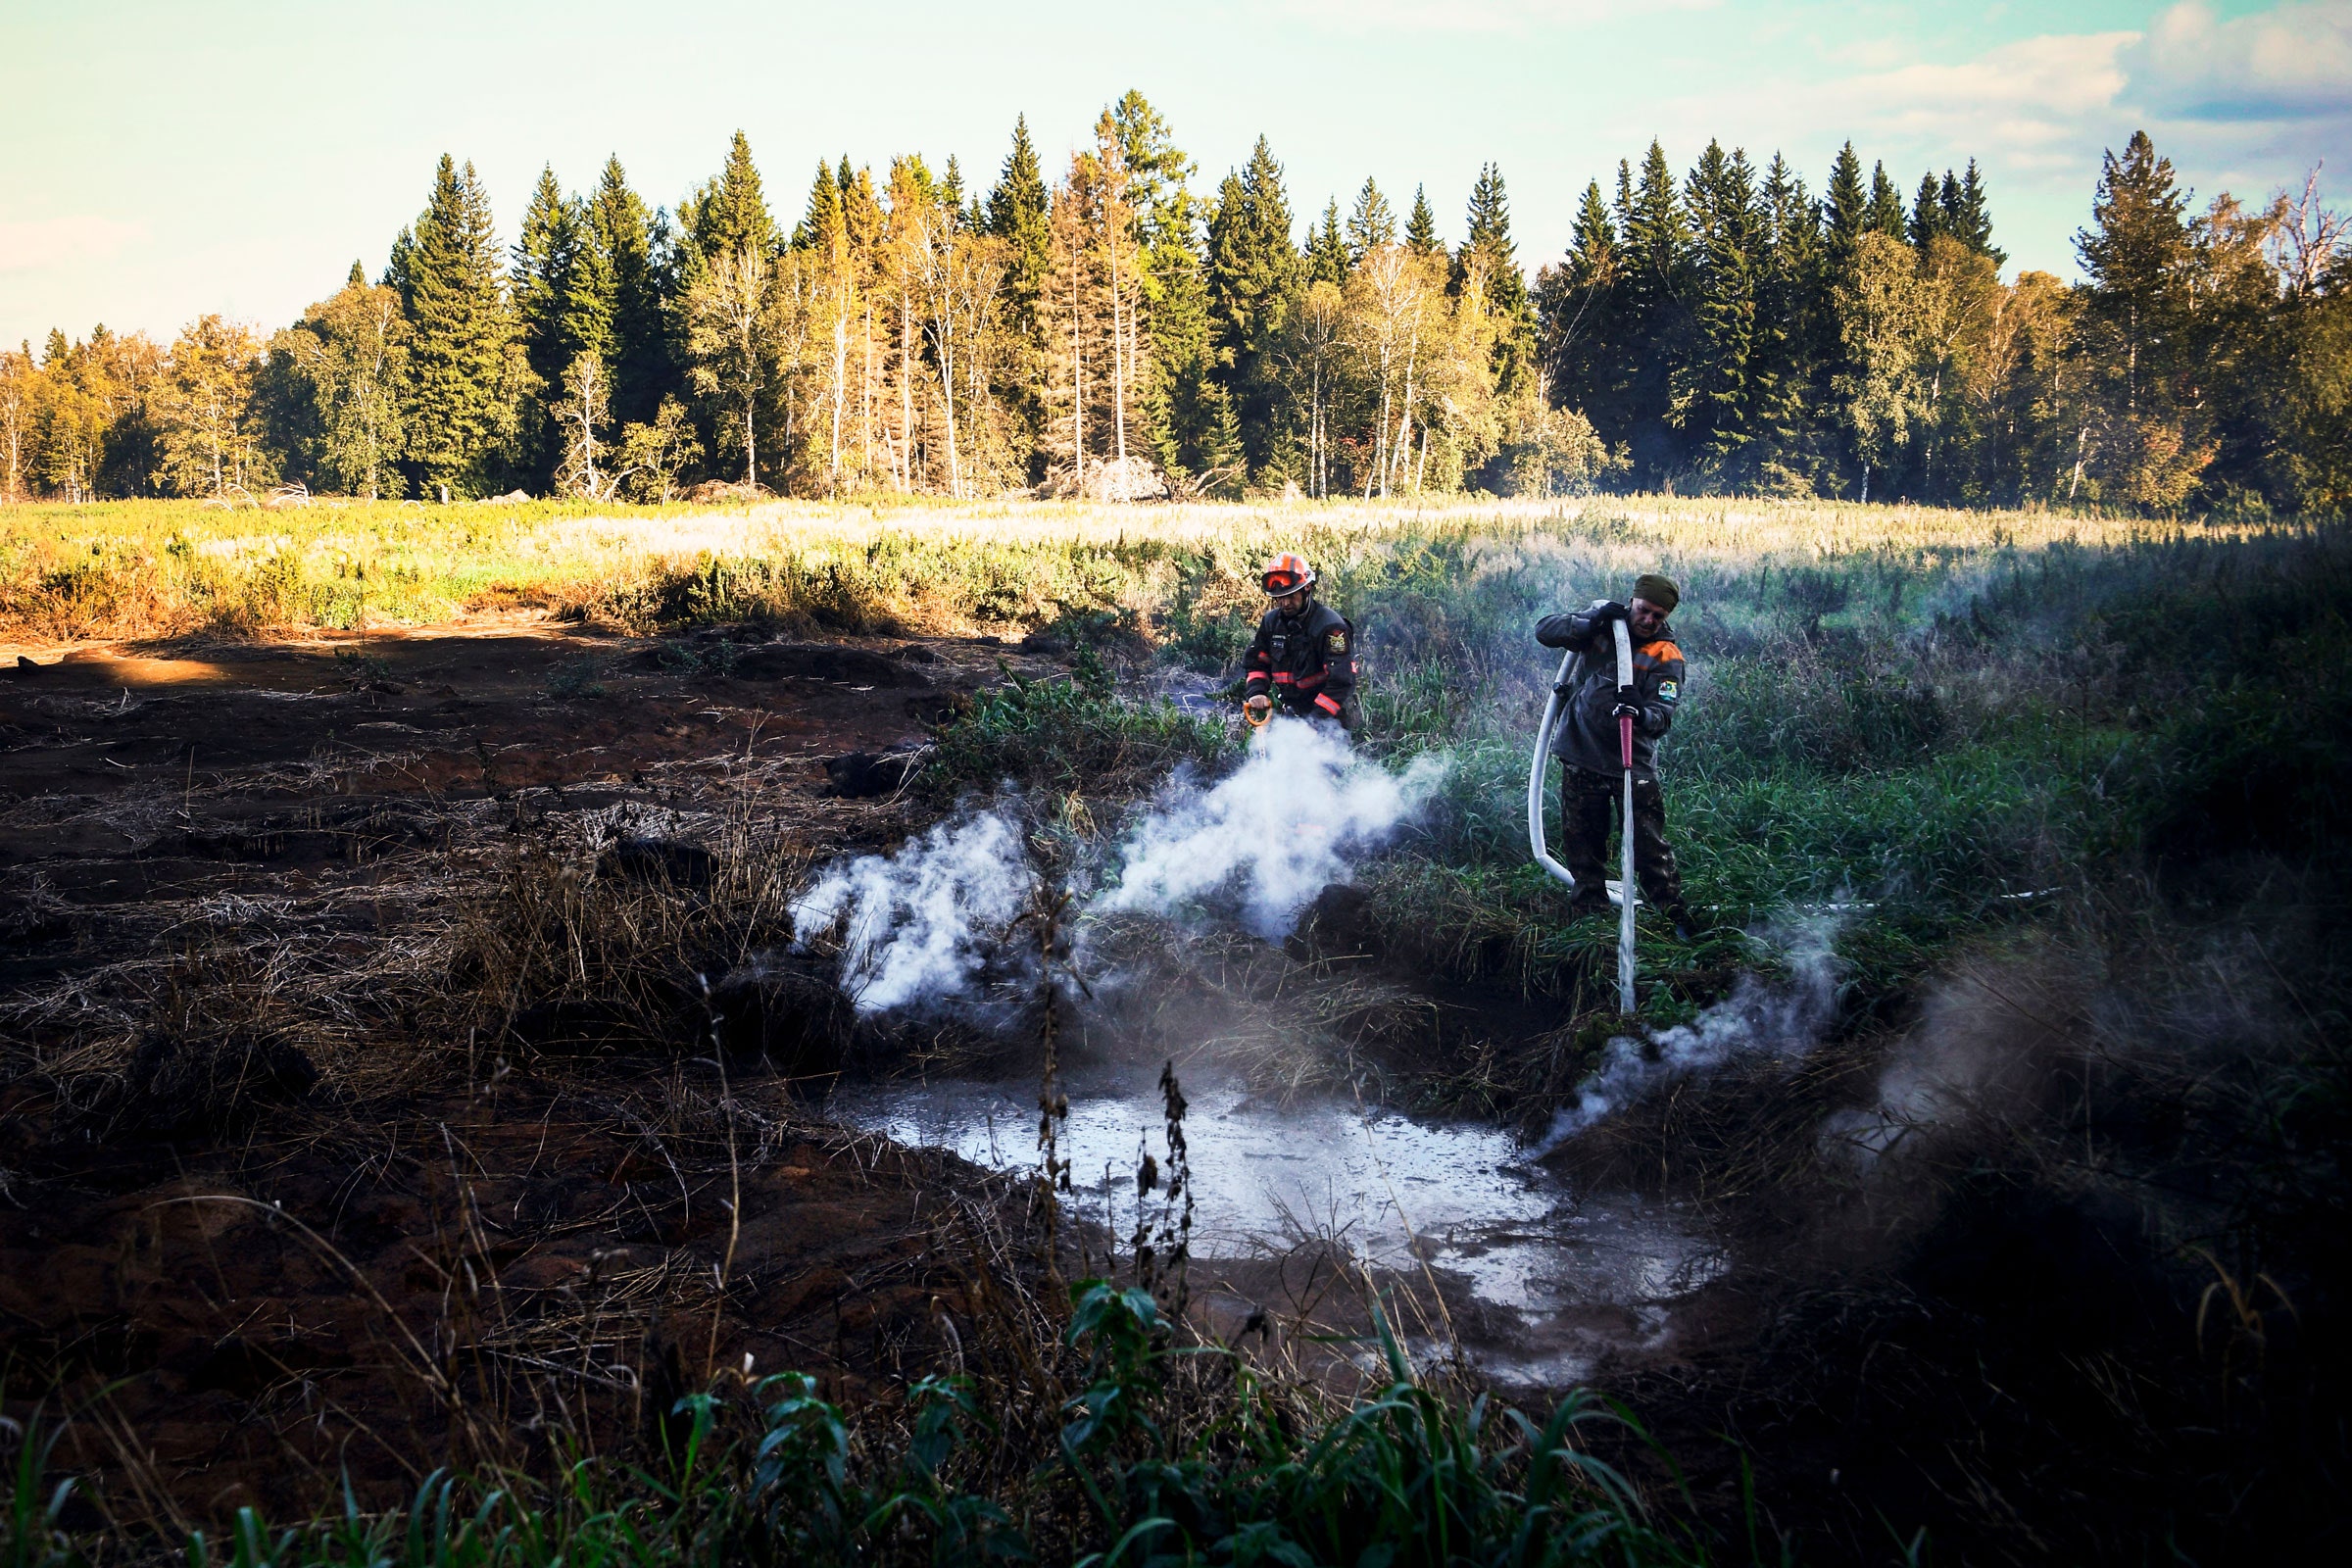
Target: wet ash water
[1551, 1278]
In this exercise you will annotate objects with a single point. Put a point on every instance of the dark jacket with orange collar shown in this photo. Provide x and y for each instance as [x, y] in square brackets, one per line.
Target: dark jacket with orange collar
[1587, 735]
[1306, 662]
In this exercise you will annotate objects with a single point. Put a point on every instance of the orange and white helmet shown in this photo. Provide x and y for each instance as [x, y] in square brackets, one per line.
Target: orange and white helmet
[1287, 575]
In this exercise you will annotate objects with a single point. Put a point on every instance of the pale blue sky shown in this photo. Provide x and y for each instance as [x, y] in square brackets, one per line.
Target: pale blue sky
[159, 160]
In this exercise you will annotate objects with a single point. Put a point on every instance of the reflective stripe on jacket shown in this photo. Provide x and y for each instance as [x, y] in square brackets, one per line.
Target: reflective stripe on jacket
[1587, 736]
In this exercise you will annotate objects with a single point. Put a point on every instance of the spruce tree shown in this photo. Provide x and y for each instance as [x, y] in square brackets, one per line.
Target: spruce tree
[1372, 224]
[1796, 334]
[1327, 258]
[1579, 312]
[729, 213]
[1253, 270]
[1186, 417]
[1972, 219]
[1927, 213]
[1488, 237]
[1885, 214]
[2139, 257]
[463, 383]
[1421, 229]
[1656, 292]
[545, 254]
[1846, 206]
[1017, 210]
[628, 272]
[1712, 384]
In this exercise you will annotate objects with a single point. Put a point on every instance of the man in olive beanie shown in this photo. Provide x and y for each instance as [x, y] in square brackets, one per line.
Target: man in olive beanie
[1592, 768]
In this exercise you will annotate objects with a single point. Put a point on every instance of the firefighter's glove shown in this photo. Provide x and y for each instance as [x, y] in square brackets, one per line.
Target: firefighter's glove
[1608, 610]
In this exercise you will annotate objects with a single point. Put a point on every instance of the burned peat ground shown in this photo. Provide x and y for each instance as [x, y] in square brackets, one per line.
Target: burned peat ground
[316, 1160]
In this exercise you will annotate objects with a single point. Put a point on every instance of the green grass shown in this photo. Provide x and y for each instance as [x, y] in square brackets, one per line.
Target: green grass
[1072, 735]
[777, 1475]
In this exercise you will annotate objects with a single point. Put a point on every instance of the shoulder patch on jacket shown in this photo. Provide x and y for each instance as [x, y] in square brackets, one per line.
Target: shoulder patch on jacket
[1668, 691]
[1334, 642]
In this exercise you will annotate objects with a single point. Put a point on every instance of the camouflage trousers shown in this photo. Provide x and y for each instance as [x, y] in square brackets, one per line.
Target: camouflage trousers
[1588, 809]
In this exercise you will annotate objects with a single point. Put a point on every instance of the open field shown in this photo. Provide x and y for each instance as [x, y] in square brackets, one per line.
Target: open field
[406, 1059]
[164, 568]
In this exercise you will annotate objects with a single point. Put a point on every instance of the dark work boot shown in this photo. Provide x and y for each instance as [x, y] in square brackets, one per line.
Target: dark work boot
[1589, 901]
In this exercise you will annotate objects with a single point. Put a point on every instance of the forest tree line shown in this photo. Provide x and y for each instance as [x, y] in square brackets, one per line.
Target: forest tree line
[1108, 330]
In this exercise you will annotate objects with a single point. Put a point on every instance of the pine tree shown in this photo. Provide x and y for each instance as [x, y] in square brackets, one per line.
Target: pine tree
[1253, 270]
[1712, 386]
[1327, 258]
[466, 376]
[1885, 215]
[1372, 224]
[1421, 229]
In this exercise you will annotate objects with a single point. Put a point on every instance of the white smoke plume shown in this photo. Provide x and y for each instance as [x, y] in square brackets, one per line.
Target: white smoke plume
[1779, 1021]
[921, 922]
[1272, 833]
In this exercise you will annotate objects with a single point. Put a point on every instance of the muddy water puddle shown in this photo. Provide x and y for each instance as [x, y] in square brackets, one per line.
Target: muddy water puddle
[1539, 1280]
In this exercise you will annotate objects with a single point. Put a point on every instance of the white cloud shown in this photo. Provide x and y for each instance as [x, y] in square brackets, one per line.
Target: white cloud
[2292, 62]
[2244, 105]
[2026, 102]
[1480, 16]
[44, 242]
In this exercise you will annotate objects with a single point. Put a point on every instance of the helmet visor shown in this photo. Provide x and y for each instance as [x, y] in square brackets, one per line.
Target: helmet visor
[1280, 581]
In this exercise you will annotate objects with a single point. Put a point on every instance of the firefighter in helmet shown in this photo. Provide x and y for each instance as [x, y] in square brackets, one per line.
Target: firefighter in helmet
[1305, 654]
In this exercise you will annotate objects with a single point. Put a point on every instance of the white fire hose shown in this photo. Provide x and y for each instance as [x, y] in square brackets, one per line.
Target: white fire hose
[1535, 803]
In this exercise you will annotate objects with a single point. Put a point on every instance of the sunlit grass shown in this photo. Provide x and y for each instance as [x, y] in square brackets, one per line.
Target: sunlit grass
[154, 568]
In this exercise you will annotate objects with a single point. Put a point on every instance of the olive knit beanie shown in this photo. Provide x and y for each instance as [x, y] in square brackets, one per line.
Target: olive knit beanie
[1659, 591]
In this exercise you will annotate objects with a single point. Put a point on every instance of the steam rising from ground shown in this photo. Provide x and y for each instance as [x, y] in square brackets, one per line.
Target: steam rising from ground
[1274, 832]
[1759, 1018]
[921, 924]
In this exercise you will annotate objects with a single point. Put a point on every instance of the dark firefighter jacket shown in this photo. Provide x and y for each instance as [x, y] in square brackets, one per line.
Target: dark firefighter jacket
[1587, 736]
[1305, 662]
